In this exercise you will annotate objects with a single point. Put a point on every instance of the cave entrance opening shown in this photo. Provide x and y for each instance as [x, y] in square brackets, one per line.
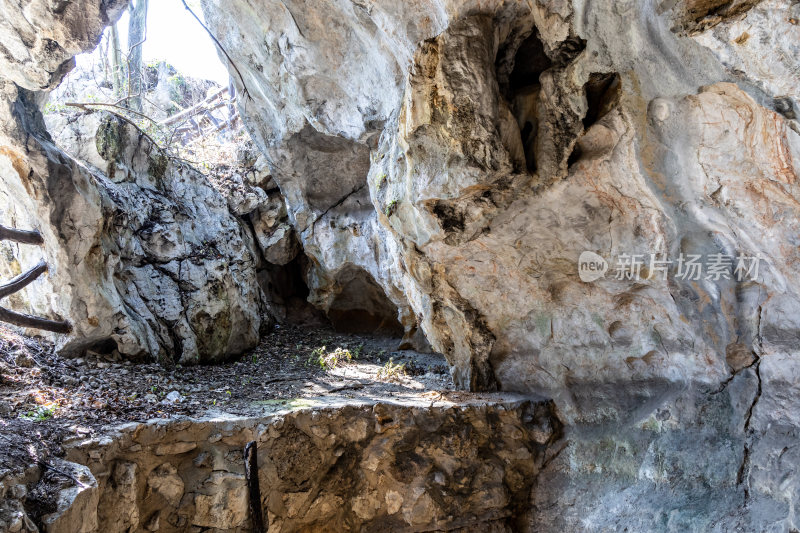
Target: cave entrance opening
[522, 89]
[286, 287]
[157, 68]
[361, 306]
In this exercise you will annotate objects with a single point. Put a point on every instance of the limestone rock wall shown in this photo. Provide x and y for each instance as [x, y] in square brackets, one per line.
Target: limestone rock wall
[447, 162]
[512, 138]
[145, 256]
[501, 140]
[382, 467]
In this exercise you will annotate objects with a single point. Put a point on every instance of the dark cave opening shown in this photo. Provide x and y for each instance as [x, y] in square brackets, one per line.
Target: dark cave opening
[602, 92]
[287, 290]
[522, 92]
[102, 347]
[361, 306]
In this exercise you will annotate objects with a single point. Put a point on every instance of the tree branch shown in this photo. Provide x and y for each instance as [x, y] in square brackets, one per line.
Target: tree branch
[241, 78]
[23, 280]
[24, 237]
[85, 107]
[28, 321]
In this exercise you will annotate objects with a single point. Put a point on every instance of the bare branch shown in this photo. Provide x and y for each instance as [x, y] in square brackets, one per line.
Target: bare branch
[28, 321]
[85, 107]
[241, 78]
[20, 236]
[23, 280]
[195, 109]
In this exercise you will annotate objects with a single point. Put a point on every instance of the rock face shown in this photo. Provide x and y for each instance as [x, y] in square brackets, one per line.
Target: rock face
[41, 37]
[444, 165]
[465, 161]
[464, 155]
[146, 257]
[382, 467]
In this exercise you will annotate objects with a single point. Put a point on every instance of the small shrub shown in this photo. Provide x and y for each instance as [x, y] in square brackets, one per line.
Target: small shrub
[391, 371]
[329, 360]
[41, 413]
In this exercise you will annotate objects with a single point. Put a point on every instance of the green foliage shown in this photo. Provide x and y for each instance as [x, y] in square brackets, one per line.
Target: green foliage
[391, 371]
[41, 413]
[54, 107]
[110, 140]
[390, 208]
[329, 360]
[158, 165]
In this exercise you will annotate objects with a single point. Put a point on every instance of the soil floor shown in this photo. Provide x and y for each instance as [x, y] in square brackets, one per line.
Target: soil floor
[45, 399]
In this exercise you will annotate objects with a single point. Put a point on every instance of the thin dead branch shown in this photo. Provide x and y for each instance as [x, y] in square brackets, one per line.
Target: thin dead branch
[219, 44]
[20, 236]
[23, 280]
[27, 321]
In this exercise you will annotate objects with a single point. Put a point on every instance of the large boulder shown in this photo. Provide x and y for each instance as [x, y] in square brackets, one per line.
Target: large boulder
[145, 256]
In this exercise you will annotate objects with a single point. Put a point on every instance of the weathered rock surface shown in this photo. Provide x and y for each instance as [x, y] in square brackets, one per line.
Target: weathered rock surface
[369, 467]
[146, 257]
[556, 111]
[444, 164]
[41, 37]
[464, 154]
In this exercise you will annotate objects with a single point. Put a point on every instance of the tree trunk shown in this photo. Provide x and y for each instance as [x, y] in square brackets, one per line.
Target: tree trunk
[116, 62]
[137, 33]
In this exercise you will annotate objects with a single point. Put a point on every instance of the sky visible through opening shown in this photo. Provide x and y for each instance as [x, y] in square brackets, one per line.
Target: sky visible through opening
[174, 36]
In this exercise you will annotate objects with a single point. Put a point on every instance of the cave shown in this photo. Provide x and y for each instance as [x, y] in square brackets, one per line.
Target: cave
[208, 260]
[361, 306]
[288, 292]
[522, 92]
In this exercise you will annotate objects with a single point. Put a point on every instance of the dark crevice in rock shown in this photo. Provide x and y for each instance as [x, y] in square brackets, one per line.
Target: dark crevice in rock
[575, 155]
[361, 306]
[339, 202]
[602, 94]
[450, 217]
[695, 16]
[569, 50]
[785, 106]
[287, 290]
[522, 92]
[743, 469]
[743, 472]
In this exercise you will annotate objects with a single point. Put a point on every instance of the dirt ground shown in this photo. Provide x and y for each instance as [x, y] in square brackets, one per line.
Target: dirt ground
[45, 399]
